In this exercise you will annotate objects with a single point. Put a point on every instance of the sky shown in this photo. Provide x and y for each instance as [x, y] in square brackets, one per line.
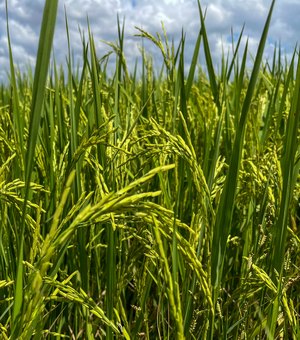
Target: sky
[177, 15]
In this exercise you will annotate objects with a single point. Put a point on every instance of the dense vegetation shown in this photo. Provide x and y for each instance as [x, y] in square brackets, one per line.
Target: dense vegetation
[152, 205]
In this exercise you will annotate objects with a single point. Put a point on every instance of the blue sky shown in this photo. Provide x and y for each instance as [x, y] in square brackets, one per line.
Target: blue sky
[222, 15]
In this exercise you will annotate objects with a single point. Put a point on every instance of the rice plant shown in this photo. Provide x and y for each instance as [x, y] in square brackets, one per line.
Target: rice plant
[159, 205]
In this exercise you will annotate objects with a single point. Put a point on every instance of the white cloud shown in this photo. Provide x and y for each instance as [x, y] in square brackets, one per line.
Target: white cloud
[222, 15]
[218, 17]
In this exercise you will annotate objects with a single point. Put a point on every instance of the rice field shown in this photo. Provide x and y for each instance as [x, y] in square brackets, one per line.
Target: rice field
[152, 204]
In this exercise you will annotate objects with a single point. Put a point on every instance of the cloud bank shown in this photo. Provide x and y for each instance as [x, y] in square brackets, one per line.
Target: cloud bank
[222, 16]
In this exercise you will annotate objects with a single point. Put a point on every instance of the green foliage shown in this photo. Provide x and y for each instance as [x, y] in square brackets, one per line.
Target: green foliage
[154, 206]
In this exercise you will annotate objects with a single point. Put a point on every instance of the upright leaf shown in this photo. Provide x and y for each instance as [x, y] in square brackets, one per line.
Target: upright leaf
[40, 77]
